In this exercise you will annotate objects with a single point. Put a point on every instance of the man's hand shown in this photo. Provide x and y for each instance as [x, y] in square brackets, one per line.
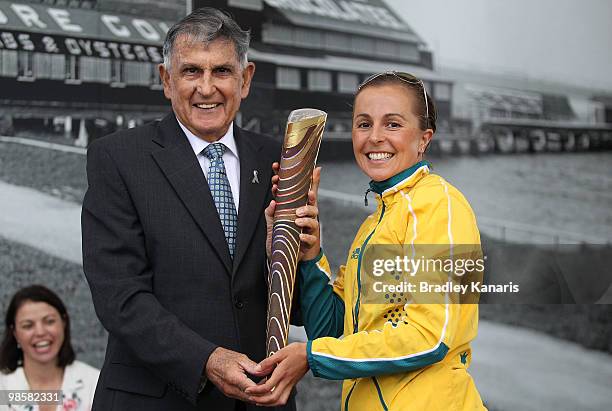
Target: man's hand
[307, 218]
[227, 370]
[289, 366]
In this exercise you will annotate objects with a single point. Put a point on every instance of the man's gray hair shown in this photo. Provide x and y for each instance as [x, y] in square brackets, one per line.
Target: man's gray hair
[205, 25]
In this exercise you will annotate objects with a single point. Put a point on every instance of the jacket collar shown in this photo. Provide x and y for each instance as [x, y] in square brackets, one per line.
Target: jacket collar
[401, 179]
[255, 175]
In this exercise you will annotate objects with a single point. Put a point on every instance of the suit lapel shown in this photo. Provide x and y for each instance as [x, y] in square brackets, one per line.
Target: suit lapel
[253, 191]
[179, 164]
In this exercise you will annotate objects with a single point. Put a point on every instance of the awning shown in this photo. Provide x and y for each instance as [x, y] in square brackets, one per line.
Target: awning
[372, 19]
[87, 33]
[80, 23]
[344, 64]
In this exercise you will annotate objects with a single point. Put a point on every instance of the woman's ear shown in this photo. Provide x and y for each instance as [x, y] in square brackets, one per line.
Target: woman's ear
[425, 140]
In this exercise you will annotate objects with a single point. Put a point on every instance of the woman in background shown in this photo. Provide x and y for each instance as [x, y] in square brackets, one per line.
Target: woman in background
[393, 354]
[36, 353]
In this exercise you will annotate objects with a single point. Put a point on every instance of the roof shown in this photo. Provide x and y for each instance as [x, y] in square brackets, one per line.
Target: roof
[520, 81]
[557, 106]
[506, 99]
[373, 18]
[605, 99]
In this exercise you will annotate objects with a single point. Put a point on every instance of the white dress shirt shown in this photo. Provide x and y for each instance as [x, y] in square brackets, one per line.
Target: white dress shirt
[230, 158]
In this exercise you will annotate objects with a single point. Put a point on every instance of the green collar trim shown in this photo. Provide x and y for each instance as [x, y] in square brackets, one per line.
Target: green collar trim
[381, 186]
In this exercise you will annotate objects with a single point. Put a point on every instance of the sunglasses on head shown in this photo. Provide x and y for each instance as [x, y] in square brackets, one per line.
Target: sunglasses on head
[405, 77]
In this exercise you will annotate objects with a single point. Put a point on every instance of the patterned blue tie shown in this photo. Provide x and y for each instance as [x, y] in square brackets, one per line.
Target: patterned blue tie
[222, 193]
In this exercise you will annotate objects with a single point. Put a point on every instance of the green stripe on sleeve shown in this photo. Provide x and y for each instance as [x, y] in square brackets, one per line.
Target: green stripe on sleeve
[339, 369]
[322, 308]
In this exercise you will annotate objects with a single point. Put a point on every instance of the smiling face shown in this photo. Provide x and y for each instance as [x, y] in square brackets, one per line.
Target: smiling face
[386, 134]
[39, 329]
[206, 84]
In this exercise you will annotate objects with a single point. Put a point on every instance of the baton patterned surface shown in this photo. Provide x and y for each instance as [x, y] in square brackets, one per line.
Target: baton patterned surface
[298, 158]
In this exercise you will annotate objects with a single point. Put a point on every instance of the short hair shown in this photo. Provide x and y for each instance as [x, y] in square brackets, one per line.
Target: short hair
[417, 90]
[205, 25]
[10, 355]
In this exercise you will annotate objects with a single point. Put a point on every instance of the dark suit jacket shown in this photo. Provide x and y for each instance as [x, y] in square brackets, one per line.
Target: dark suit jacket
[161, 277]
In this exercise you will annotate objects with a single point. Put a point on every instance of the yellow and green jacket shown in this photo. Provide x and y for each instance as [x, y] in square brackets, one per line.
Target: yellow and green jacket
[395, 356]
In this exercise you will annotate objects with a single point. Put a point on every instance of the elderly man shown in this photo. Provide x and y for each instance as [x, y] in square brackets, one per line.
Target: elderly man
[174, 234]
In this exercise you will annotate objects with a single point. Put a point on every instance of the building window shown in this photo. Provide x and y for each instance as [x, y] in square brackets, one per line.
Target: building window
[308, 38]
[288, 78]
[58, 62]
[409, 52]
[95, 69]
[442, 92]
[42, 65]
[256, 5]
[137, 73]
[25, 66]
[277, 34]
[155, 79]
[8, 63]
[117, 73]
[386, 48]
[347, 83]
[319, 80]
[88, 69]
[72, 69]
[362, 45]
[49, 66]
[498, 113]
[337, 41]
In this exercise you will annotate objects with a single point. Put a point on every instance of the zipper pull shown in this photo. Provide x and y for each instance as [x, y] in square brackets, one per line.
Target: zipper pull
[365, 197]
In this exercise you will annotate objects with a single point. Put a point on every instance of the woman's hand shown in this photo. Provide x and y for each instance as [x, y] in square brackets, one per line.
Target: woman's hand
[287, 366]
[269, 211]
[307, 218]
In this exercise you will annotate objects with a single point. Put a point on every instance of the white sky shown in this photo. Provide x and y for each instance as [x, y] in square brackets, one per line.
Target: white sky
[559, 40]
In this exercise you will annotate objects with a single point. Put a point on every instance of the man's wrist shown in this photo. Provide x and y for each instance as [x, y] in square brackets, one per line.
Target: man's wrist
[204, 376]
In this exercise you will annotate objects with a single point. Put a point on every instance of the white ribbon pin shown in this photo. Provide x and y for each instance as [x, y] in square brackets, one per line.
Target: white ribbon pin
[255, 179]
